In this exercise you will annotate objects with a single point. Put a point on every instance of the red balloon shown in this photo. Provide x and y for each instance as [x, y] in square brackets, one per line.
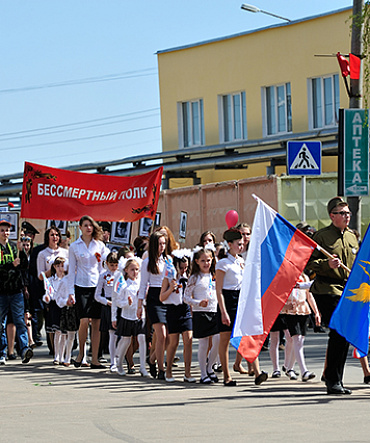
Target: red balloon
[231, 218]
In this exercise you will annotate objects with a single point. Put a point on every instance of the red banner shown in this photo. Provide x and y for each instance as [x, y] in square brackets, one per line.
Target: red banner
[57, 194]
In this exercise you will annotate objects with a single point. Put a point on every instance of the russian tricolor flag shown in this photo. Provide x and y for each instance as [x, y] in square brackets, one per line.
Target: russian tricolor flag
[277, 255]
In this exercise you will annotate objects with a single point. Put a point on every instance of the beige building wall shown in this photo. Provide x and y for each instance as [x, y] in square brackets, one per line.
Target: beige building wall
[249, 62]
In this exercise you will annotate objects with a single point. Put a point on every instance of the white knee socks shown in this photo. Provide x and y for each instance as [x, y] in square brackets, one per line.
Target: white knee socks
[122, 347]
[112, 346]
[69, 345]
[213, 353]
[298, 341]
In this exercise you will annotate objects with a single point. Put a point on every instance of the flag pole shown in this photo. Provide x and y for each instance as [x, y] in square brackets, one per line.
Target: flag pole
[318, 247]
[327, 254]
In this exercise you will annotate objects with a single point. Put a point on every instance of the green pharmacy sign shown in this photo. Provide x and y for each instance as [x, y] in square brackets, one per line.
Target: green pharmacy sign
[353, 158]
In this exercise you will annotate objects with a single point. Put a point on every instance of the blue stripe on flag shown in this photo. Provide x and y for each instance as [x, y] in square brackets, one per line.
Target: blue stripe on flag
[273, 250]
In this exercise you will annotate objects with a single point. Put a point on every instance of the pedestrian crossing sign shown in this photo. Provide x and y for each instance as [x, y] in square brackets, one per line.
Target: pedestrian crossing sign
[304, 158]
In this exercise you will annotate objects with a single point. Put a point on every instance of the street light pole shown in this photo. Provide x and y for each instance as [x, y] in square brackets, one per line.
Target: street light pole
[355, 100]
[251, 8]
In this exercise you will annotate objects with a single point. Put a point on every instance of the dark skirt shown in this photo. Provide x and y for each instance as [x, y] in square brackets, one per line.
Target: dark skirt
[87, 306]
[69, 321]
[297, 324]
[129, 328]
[106, 319]
[52, 317]
[179, 318]
[157, 311]
[280, 323]
[231, 298]
[205, 324]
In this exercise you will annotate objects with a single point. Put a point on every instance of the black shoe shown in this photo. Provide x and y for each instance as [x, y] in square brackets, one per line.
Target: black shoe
[161, 375]
[366, 378]
[230, 383]
[205, 381]
[319, 329]
[99, 366]
[27, 356]
[131, 371]
[334, 388]
[14, 356]
[213, 377]
[261, 378]
[38, 343]
[217, 367]
[76, 364]
[152, 369]
[346, 390]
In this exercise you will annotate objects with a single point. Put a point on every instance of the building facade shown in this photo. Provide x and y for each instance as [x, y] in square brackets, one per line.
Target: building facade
[253, 91]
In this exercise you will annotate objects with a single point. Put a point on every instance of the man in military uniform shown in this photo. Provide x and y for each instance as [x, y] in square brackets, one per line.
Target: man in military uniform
[11, 296]
[29, 230]
[341, 242]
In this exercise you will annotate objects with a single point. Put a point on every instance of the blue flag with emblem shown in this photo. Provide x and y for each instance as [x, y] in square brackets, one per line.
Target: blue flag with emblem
[351, 316]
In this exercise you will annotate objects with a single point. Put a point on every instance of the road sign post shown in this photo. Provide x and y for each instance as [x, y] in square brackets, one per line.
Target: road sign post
[304, 158]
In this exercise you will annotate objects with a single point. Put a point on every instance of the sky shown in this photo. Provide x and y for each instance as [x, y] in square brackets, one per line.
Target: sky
[79, 79]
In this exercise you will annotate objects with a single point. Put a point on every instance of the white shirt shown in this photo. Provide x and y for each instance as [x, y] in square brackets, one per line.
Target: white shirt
[120, 300]
[46, 258]
[201, 287]
[175, 298]
[149, 279]
[54, 283]
[85, 263]
[233, 269]
[105, 282]
[61, 295]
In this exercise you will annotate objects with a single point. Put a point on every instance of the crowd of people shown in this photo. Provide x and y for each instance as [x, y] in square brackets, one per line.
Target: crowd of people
[146, 295]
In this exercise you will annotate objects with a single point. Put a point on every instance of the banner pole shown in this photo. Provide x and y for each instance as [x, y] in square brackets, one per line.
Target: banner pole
[303, 208]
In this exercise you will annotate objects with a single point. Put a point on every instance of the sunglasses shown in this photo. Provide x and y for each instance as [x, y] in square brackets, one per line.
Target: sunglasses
[26, 239]
[343, 213]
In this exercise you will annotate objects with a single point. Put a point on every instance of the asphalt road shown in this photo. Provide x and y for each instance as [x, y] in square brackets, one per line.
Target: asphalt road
[44, 403]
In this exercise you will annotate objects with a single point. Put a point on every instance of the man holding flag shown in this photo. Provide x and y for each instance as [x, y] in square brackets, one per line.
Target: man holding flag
[330, 280]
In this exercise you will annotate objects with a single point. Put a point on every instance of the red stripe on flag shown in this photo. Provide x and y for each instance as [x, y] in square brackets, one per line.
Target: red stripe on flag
[273, 300]
[355, 67]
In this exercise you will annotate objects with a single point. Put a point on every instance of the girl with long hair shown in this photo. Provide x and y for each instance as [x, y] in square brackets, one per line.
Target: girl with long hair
[200, 294]
[86, 257]
[152, 273]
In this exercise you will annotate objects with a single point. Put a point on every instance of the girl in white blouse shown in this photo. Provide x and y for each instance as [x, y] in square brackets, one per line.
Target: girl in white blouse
[128, 325]
[86, 257]
[152, 274]
[178, 317]
[45, 259]
[104, 295]
[229, 275]
[200, 294]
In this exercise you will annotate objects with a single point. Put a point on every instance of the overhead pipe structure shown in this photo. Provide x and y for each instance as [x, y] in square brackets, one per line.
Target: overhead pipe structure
[225, 156]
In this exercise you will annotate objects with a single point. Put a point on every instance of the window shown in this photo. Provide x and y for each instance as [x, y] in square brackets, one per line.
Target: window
[191, 123]
[233, 120]
[277, 109]
[324, 98]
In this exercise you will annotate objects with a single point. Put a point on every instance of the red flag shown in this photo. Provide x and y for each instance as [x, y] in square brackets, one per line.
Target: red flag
[344, 64]
[355, 66]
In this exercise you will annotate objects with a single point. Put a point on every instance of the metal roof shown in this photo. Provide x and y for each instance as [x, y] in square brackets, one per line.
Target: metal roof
[241, 34]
